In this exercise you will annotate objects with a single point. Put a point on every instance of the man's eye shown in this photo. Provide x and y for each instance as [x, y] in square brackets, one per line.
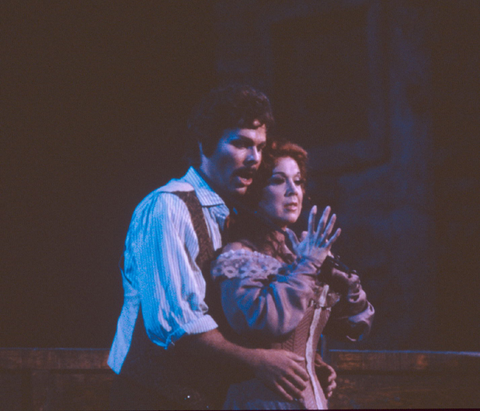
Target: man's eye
[238, 144]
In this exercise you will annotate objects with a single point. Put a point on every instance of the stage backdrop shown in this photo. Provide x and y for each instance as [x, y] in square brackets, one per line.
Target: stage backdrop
[384, 96]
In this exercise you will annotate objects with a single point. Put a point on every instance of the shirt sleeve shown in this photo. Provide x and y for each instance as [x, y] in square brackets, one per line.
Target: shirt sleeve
[259, 296]
[160, 254]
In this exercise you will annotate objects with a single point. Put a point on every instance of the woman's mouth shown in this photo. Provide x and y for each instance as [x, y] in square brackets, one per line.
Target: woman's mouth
[291, 206]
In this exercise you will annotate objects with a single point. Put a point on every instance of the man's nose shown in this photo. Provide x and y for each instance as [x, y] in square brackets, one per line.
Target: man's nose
[254, 156]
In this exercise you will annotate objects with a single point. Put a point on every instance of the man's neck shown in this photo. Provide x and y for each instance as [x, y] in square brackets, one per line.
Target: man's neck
[214, 187]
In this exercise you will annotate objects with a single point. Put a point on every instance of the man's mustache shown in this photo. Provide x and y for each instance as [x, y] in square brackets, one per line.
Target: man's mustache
[246, 172]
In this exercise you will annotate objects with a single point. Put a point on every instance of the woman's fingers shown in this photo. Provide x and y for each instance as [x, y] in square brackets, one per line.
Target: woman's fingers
[320, 236]
[311, 220]
[303, 235]
[327, 231]
[330, 225]
[333, 238]
[332, 376]
[321, 223]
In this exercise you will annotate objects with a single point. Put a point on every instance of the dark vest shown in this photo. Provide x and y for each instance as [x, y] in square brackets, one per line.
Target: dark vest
[179, 376]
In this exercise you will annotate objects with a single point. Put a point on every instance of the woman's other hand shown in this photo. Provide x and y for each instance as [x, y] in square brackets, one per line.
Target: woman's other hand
[326, 376]
[315, 244]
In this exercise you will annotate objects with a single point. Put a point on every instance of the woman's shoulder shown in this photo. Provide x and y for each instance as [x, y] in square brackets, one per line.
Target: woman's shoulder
[238, 245]
[239, 259]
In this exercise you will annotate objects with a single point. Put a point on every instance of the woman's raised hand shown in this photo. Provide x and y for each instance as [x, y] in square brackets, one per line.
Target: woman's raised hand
[316, 244]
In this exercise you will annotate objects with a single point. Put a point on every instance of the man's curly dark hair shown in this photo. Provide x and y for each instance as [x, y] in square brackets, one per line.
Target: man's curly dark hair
[229, 107]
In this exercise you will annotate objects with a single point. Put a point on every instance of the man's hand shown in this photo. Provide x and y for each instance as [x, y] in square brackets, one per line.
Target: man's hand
[326, 376]
[281, 371]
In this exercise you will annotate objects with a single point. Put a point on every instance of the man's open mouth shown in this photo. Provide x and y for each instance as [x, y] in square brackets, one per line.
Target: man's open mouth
[245, 176]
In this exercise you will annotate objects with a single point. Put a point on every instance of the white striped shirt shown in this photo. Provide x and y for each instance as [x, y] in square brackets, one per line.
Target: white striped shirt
[160, 269]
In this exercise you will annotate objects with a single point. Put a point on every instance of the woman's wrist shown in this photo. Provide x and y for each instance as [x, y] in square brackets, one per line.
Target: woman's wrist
[315, 261]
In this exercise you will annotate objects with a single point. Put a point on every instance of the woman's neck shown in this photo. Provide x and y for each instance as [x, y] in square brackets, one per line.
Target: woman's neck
[272, 242]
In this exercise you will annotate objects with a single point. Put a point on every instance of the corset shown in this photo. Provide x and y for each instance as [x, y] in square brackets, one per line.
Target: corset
[304, 340]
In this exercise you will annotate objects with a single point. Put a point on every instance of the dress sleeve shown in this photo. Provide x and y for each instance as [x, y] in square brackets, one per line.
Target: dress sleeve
[261, 295]
[160, 254]
[352, 316]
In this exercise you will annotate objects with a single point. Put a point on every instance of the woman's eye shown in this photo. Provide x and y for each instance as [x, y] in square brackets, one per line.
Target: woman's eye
[299, 182]
[276, 181]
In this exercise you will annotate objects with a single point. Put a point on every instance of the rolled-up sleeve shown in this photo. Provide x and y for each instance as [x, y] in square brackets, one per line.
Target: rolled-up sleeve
[160, 254]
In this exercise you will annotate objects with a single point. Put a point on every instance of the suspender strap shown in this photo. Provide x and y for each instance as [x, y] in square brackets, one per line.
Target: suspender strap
[206, 251]
[205, 256]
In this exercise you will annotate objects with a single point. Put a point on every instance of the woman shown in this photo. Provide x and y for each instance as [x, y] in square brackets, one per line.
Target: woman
[275, 297]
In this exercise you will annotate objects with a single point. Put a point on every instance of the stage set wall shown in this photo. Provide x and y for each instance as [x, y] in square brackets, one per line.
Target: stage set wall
[384, 96]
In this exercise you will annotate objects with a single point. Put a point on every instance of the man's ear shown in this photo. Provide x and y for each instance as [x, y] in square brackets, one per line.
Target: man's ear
[202, 156]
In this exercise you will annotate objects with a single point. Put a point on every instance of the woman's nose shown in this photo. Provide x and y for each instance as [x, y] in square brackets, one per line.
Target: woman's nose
[291, 188]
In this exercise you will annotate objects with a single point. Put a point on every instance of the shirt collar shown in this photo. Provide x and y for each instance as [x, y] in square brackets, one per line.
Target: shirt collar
[205, 194]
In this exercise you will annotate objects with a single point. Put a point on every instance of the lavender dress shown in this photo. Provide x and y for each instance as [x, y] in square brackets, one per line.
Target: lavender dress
[271, 304]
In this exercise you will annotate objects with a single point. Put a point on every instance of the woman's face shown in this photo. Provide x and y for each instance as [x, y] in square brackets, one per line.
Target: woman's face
[282, 197]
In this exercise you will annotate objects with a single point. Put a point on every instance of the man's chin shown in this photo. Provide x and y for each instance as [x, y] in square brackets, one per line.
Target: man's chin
[238, 191]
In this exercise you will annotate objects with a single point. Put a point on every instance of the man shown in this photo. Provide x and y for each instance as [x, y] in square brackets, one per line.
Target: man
[168, 351]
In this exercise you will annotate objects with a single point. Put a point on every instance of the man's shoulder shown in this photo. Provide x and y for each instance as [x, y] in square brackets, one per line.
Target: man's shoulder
[164, 198]
[175, 186]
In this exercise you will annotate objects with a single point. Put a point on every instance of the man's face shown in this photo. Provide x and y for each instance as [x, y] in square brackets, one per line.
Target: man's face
[236, 159]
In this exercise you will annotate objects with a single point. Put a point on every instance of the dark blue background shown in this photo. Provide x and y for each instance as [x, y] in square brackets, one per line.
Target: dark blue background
[384, 95]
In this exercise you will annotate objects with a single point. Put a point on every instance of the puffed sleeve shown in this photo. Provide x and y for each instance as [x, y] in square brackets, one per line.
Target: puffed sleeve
[351, 318]
[160, 264]
[261, 295]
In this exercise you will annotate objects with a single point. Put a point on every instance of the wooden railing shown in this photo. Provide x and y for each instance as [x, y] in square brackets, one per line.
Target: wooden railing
[406, 379]
[80, 379]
